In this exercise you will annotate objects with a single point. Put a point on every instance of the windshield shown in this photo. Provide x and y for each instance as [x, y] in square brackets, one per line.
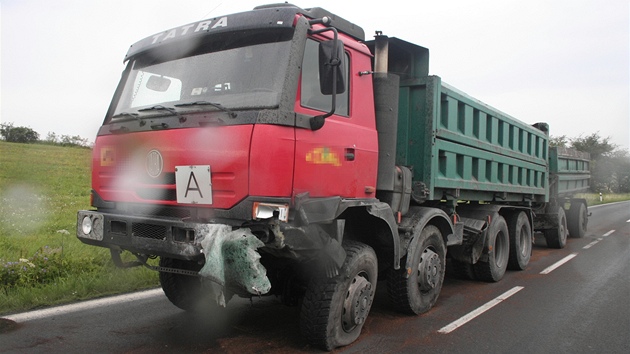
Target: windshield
[240, 78]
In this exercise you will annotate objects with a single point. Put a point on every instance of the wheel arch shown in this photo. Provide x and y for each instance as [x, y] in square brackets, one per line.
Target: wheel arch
[416, 220]
[375, 226]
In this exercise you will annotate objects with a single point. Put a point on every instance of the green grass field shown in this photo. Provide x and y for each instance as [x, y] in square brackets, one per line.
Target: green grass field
[41, 260]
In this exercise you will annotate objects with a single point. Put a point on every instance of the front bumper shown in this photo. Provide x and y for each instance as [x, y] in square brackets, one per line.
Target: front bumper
[164, 237]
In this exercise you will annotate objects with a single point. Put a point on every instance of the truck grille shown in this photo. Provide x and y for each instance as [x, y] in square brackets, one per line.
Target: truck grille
[155, 232]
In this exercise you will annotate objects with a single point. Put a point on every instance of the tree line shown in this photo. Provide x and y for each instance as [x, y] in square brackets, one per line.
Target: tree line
[26, 135]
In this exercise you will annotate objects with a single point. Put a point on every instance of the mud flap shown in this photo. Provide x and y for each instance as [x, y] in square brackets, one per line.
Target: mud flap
[232, 259]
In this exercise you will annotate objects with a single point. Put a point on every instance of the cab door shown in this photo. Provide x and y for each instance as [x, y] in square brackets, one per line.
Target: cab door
[341, 158]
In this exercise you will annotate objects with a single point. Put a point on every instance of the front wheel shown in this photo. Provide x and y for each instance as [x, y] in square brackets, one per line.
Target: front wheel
[183, 291]
[414, 289]
[334, 310]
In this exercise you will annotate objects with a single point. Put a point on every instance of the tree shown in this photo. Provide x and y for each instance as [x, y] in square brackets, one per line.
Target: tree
[18, 134]
[594, 145]
[610, 166]
[559, 141]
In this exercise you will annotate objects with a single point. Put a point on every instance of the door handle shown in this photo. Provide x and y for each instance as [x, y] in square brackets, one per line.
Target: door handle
[349, 154]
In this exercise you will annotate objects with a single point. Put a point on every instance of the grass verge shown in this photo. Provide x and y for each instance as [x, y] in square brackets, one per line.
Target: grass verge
[42, 262]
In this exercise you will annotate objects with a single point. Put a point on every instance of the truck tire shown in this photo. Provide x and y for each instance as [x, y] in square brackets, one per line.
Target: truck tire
[521, 237]
[577, 220]
[557, 237]
[334, 309]
[414, 291]
[183, 291]
[498, 248]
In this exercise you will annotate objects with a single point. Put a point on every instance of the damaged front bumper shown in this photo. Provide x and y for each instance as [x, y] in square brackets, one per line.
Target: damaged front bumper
[162, 237]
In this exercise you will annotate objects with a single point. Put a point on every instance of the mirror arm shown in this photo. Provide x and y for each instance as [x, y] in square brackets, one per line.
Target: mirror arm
[317, 122]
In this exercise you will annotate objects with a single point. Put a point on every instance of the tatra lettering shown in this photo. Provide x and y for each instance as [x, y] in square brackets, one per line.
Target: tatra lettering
[171, 34]
[205, 25]
[186, 28]
[156, 37]
[221, 23]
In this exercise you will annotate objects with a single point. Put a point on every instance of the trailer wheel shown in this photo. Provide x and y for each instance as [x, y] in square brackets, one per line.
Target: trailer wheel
[498, 247]
[557, 237]
[577, 220]
[183, 291]
[334, 310]
[415, 290]
[520, 231]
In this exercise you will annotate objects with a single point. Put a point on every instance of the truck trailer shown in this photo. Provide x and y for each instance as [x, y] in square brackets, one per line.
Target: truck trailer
[277, 152]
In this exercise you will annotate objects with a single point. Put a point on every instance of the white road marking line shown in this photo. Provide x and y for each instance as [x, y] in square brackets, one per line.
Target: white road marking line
[608, 233]
[558, 264]
[591, 244]
[470, 316]
[91, 304]
[628, 220]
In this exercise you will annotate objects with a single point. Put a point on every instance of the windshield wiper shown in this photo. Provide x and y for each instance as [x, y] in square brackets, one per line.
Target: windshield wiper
[159, 107]
[135, 116]
[206, 103]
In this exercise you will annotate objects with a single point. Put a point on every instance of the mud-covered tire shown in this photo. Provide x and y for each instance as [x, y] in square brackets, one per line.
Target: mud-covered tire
[415, 290]
[334, 309]
[498, 248]
[183, 291]
[521, 238]
[577, 220]
[557, 237]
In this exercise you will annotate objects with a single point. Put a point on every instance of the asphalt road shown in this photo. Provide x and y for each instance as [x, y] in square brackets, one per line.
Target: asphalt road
[574, 300]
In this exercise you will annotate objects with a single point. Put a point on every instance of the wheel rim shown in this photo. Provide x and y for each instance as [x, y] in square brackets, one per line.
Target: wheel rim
[583, 218]
[356, 306]
[524, 242]
[563, 229]
[429, 270]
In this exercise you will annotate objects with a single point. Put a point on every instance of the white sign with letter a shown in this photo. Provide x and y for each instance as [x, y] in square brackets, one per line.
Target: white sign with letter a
[193, 184]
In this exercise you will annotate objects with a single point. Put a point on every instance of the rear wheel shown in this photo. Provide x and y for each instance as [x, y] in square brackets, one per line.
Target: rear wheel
[335, 309]
[557, 237]
[577, 220]
[415, 290]
[498, 248]
[520, 231]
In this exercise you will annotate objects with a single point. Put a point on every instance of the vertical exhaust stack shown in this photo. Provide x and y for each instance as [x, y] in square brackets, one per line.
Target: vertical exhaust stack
[386, 92]
[381, 53]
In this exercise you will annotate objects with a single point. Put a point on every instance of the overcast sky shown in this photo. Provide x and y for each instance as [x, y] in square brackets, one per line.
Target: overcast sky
[564, 62]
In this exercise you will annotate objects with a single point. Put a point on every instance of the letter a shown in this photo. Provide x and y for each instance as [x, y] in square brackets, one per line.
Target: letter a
[192, 178]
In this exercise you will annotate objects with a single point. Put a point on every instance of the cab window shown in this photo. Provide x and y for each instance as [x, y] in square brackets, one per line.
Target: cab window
[311, 95]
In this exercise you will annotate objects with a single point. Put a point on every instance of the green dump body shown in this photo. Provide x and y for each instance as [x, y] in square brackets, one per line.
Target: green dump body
[461, 148]
[458, 147]
[569, 171]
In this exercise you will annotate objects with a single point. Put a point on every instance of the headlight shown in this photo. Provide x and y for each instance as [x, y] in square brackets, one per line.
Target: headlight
[267, 211]
[86, 225]
[90, 225]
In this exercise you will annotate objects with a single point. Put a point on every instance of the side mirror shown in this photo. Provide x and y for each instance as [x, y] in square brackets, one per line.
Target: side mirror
[331, 62]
